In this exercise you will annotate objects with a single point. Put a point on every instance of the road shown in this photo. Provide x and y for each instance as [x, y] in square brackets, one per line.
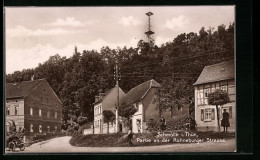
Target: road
[61, 145]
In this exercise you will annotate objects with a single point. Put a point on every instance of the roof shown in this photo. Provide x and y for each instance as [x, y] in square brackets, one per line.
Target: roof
[19, 90]
[137, 93]
[217, 72]
[104, 95]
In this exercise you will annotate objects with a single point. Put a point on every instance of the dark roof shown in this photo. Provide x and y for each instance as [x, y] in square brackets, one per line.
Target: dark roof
[137, 93]
[217, 72]
[19, 90]
[103, 95]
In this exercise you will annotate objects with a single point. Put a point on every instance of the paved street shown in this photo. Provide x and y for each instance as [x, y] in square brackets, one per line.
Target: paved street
[61, 144]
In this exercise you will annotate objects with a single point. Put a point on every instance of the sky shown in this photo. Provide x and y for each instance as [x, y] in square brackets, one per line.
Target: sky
[33, 34]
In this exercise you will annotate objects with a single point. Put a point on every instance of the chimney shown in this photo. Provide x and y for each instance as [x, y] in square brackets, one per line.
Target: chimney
[32, 77]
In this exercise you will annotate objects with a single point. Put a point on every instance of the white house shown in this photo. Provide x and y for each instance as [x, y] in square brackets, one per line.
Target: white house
[142, 97]
[105, 101]
[217, 76]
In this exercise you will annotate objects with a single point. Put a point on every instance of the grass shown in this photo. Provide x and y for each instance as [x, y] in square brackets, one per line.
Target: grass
[114, 140]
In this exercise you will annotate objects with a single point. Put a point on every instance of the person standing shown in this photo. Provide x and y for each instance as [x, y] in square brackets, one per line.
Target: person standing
[162, 123]
[193, 124]
[225, 120]
[130, 137]
[139, 126]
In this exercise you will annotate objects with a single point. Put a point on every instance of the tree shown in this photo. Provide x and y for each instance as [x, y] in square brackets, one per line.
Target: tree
[108, 117]
[127, 111]
[217, 98]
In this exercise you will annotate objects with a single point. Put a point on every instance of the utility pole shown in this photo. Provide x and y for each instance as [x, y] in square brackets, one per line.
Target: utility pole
[117, 78]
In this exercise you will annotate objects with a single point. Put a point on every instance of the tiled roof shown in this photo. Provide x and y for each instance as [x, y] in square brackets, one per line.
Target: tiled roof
[138, 92]
[19, 90]
[103, 95]
[217, 72]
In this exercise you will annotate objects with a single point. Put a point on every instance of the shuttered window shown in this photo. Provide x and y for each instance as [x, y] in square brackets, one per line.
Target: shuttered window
[202, 115]
[230, 112]
[212, 113]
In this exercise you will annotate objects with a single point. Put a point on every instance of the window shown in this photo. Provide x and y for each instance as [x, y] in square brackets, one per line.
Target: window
[208, 115]
[40, 128]
[8, 110]
[213, 114]
[55, 128]
[31, 127]
[40, 112]
[200, 95]
[206, 91]
[47, 100]
[230, 112]
[48, 114]
[228, 109]
[55, 115]
[213, 87]
[48, 128]
[202, 115]
[15, 110]
[31, 111]
[223, 86]
[41, 99]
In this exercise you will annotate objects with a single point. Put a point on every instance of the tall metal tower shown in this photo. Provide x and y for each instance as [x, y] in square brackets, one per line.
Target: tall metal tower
[149, 33]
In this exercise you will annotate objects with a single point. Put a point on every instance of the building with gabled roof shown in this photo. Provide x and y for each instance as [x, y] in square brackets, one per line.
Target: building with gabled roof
[217, 76]
[106, 101]
[142, 97]
[34, 106]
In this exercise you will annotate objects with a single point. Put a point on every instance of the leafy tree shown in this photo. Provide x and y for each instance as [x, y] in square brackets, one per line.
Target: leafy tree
[170, 95]
[82, 120]
[127, 111]
[108, 117]
[218, 98]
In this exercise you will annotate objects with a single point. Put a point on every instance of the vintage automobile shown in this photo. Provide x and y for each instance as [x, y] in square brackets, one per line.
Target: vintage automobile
[15, 140]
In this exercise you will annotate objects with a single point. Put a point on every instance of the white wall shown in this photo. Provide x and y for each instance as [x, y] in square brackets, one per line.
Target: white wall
[137, 115]
[98, 118]
[19, 118]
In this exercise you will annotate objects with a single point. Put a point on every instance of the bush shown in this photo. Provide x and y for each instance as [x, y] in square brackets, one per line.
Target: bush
[98, 140]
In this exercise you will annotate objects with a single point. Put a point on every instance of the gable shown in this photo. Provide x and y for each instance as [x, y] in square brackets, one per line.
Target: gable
[110, 100]
[45, 91]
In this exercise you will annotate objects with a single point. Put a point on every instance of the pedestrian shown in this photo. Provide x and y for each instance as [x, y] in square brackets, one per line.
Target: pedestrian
[130, 137]
[225, 120]
[162, 123]
[193, 124]
[139, 126]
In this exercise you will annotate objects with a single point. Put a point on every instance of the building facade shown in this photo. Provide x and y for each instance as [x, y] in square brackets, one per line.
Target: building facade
[106, 101]
[34, 106]
[217, 76]
[142, 97]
